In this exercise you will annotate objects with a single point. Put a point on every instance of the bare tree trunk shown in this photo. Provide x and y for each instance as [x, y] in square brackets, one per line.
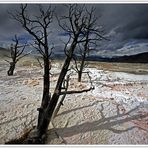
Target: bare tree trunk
[38, 135]
[79, 76]
[59, 106]
[81, 67]
[51, 106]
[39, 62]
[11, 69]
[62, 99]
[46, 94]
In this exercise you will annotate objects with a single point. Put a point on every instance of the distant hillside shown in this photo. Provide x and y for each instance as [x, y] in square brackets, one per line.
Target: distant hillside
[137, 58]
[4, 51]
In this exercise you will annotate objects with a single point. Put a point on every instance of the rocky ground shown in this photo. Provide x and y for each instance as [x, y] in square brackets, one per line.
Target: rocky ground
[115, 112]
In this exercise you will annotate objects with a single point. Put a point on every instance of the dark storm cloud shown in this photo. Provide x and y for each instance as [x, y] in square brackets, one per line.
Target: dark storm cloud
[124, 24]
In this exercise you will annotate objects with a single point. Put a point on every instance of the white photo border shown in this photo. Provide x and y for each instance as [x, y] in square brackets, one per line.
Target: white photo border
[79, 2]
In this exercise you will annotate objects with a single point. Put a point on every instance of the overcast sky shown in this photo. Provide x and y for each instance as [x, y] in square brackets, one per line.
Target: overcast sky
[125, 24]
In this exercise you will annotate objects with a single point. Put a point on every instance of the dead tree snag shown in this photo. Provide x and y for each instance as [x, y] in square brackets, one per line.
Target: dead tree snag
[16, 53]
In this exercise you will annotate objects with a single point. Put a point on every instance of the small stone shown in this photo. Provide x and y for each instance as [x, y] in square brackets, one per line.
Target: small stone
[83, 98]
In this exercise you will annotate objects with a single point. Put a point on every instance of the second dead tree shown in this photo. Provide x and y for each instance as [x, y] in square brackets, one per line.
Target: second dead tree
[16, 53]
[91, 36]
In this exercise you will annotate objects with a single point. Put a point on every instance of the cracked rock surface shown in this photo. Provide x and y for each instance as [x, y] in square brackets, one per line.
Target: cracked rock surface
[115, 112]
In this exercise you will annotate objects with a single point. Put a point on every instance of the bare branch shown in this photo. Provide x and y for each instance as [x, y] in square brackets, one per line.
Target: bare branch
[7, 56]
[76, 92]
[20, 52]
[24, 55]
[31, 24]
[7, 61]
[51, 50]
[76, 64]
[39, 62]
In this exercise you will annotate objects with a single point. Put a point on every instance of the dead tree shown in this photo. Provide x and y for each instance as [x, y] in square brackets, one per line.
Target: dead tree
[74, 24]
[80, 61]
[16, 53]
[38, 27]
[92, 34]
